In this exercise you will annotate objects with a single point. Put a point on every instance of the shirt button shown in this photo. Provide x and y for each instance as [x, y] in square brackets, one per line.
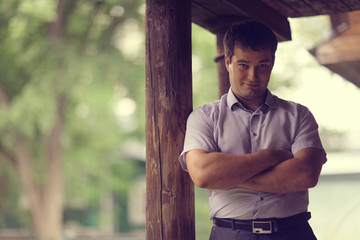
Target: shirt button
[254, 134]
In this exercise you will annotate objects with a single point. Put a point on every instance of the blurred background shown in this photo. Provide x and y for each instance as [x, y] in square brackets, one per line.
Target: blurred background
[72, 120]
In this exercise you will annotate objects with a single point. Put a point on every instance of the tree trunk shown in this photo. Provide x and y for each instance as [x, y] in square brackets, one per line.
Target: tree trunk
[54, 186]
[32, 192]
[46, 203]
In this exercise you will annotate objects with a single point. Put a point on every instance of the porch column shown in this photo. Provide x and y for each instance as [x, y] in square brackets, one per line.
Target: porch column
[223, 74]
[170, 191]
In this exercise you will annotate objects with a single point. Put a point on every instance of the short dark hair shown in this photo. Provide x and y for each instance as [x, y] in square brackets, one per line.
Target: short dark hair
[249, 34]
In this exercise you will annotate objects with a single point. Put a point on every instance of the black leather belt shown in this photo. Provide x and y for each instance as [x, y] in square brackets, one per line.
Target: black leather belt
[263, 226]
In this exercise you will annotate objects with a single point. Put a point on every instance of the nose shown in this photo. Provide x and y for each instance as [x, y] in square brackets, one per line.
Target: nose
[252, 74]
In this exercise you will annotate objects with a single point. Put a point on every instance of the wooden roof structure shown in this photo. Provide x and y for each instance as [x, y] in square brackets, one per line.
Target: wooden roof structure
[216, 15]
[341, 53]
[170, 191]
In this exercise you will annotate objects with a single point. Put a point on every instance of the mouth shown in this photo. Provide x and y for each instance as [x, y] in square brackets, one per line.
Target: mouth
[252, 84]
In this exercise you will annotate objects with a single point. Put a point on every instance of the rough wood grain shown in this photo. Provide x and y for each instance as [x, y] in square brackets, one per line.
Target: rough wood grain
[223, 74]
[170, 192]
[218, 15]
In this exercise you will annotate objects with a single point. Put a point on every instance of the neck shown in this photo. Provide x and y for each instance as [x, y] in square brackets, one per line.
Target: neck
[253, 104]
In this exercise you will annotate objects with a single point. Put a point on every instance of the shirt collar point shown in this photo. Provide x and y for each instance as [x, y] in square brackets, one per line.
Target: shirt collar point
[270, 100]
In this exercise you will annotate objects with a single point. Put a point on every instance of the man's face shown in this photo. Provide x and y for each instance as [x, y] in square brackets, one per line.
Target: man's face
[249, 73]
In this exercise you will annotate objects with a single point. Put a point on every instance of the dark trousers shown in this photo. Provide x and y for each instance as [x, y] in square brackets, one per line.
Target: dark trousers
[299, 232]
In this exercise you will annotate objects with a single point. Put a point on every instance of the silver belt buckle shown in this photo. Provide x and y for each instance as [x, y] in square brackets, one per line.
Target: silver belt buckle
[262, 227]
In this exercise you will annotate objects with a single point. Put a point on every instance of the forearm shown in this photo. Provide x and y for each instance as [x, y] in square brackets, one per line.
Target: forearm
[282, 178]
[224, 171]
[290, 176]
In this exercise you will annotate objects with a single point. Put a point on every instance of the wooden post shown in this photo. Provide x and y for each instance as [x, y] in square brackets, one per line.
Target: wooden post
[170, 191]
[223, 74]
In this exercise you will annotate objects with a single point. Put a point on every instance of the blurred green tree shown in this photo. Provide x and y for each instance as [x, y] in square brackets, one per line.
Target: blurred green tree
[70, 74]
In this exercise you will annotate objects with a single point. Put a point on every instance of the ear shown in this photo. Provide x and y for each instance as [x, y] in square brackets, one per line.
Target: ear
[274, 60]
[227, 62]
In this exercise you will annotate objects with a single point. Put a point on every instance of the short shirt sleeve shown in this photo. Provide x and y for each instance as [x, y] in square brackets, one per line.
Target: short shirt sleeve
[307, 135]
[199, 135]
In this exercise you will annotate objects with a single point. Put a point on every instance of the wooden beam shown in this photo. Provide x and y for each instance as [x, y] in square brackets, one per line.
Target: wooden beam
[218, 15]
[223, 74]
[343, 48]
[258, 10]
[338, 6]
[348, 70]
[170, 191]
[352, 4]
[301, 6]
[214, 15]
[284, 8]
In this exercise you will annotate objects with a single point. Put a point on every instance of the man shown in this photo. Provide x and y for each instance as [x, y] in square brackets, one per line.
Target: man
[256, 154]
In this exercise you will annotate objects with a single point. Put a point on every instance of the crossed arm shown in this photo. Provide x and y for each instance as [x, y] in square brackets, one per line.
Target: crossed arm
[269, 170]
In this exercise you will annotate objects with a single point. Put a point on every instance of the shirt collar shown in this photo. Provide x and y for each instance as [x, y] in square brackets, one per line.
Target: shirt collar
[270, 100]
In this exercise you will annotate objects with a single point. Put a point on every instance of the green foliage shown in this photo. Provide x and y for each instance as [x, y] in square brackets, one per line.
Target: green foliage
[335, 140]
[85, 59]
[205, 78]
[202, 215]
[11, 207]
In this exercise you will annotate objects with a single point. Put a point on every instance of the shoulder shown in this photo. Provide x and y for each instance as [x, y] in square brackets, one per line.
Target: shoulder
[290, 106]
[210, 110]
[296, 113]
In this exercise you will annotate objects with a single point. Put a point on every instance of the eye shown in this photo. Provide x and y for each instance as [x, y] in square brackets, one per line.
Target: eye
[243, 65]
[264, 66]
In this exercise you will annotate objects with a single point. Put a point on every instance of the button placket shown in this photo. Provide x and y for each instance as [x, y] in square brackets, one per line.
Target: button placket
[254, 128]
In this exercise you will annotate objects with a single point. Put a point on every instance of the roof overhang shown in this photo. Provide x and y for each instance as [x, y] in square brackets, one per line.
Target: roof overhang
[341, 54]
[217, 16]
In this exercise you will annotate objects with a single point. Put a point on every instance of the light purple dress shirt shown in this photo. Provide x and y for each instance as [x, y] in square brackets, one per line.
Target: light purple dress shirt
[226, 126]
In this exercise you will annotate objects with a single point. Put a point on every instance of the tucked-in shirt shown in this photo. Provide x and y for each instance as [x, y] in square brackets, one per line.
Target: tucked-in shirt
[227, 126]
